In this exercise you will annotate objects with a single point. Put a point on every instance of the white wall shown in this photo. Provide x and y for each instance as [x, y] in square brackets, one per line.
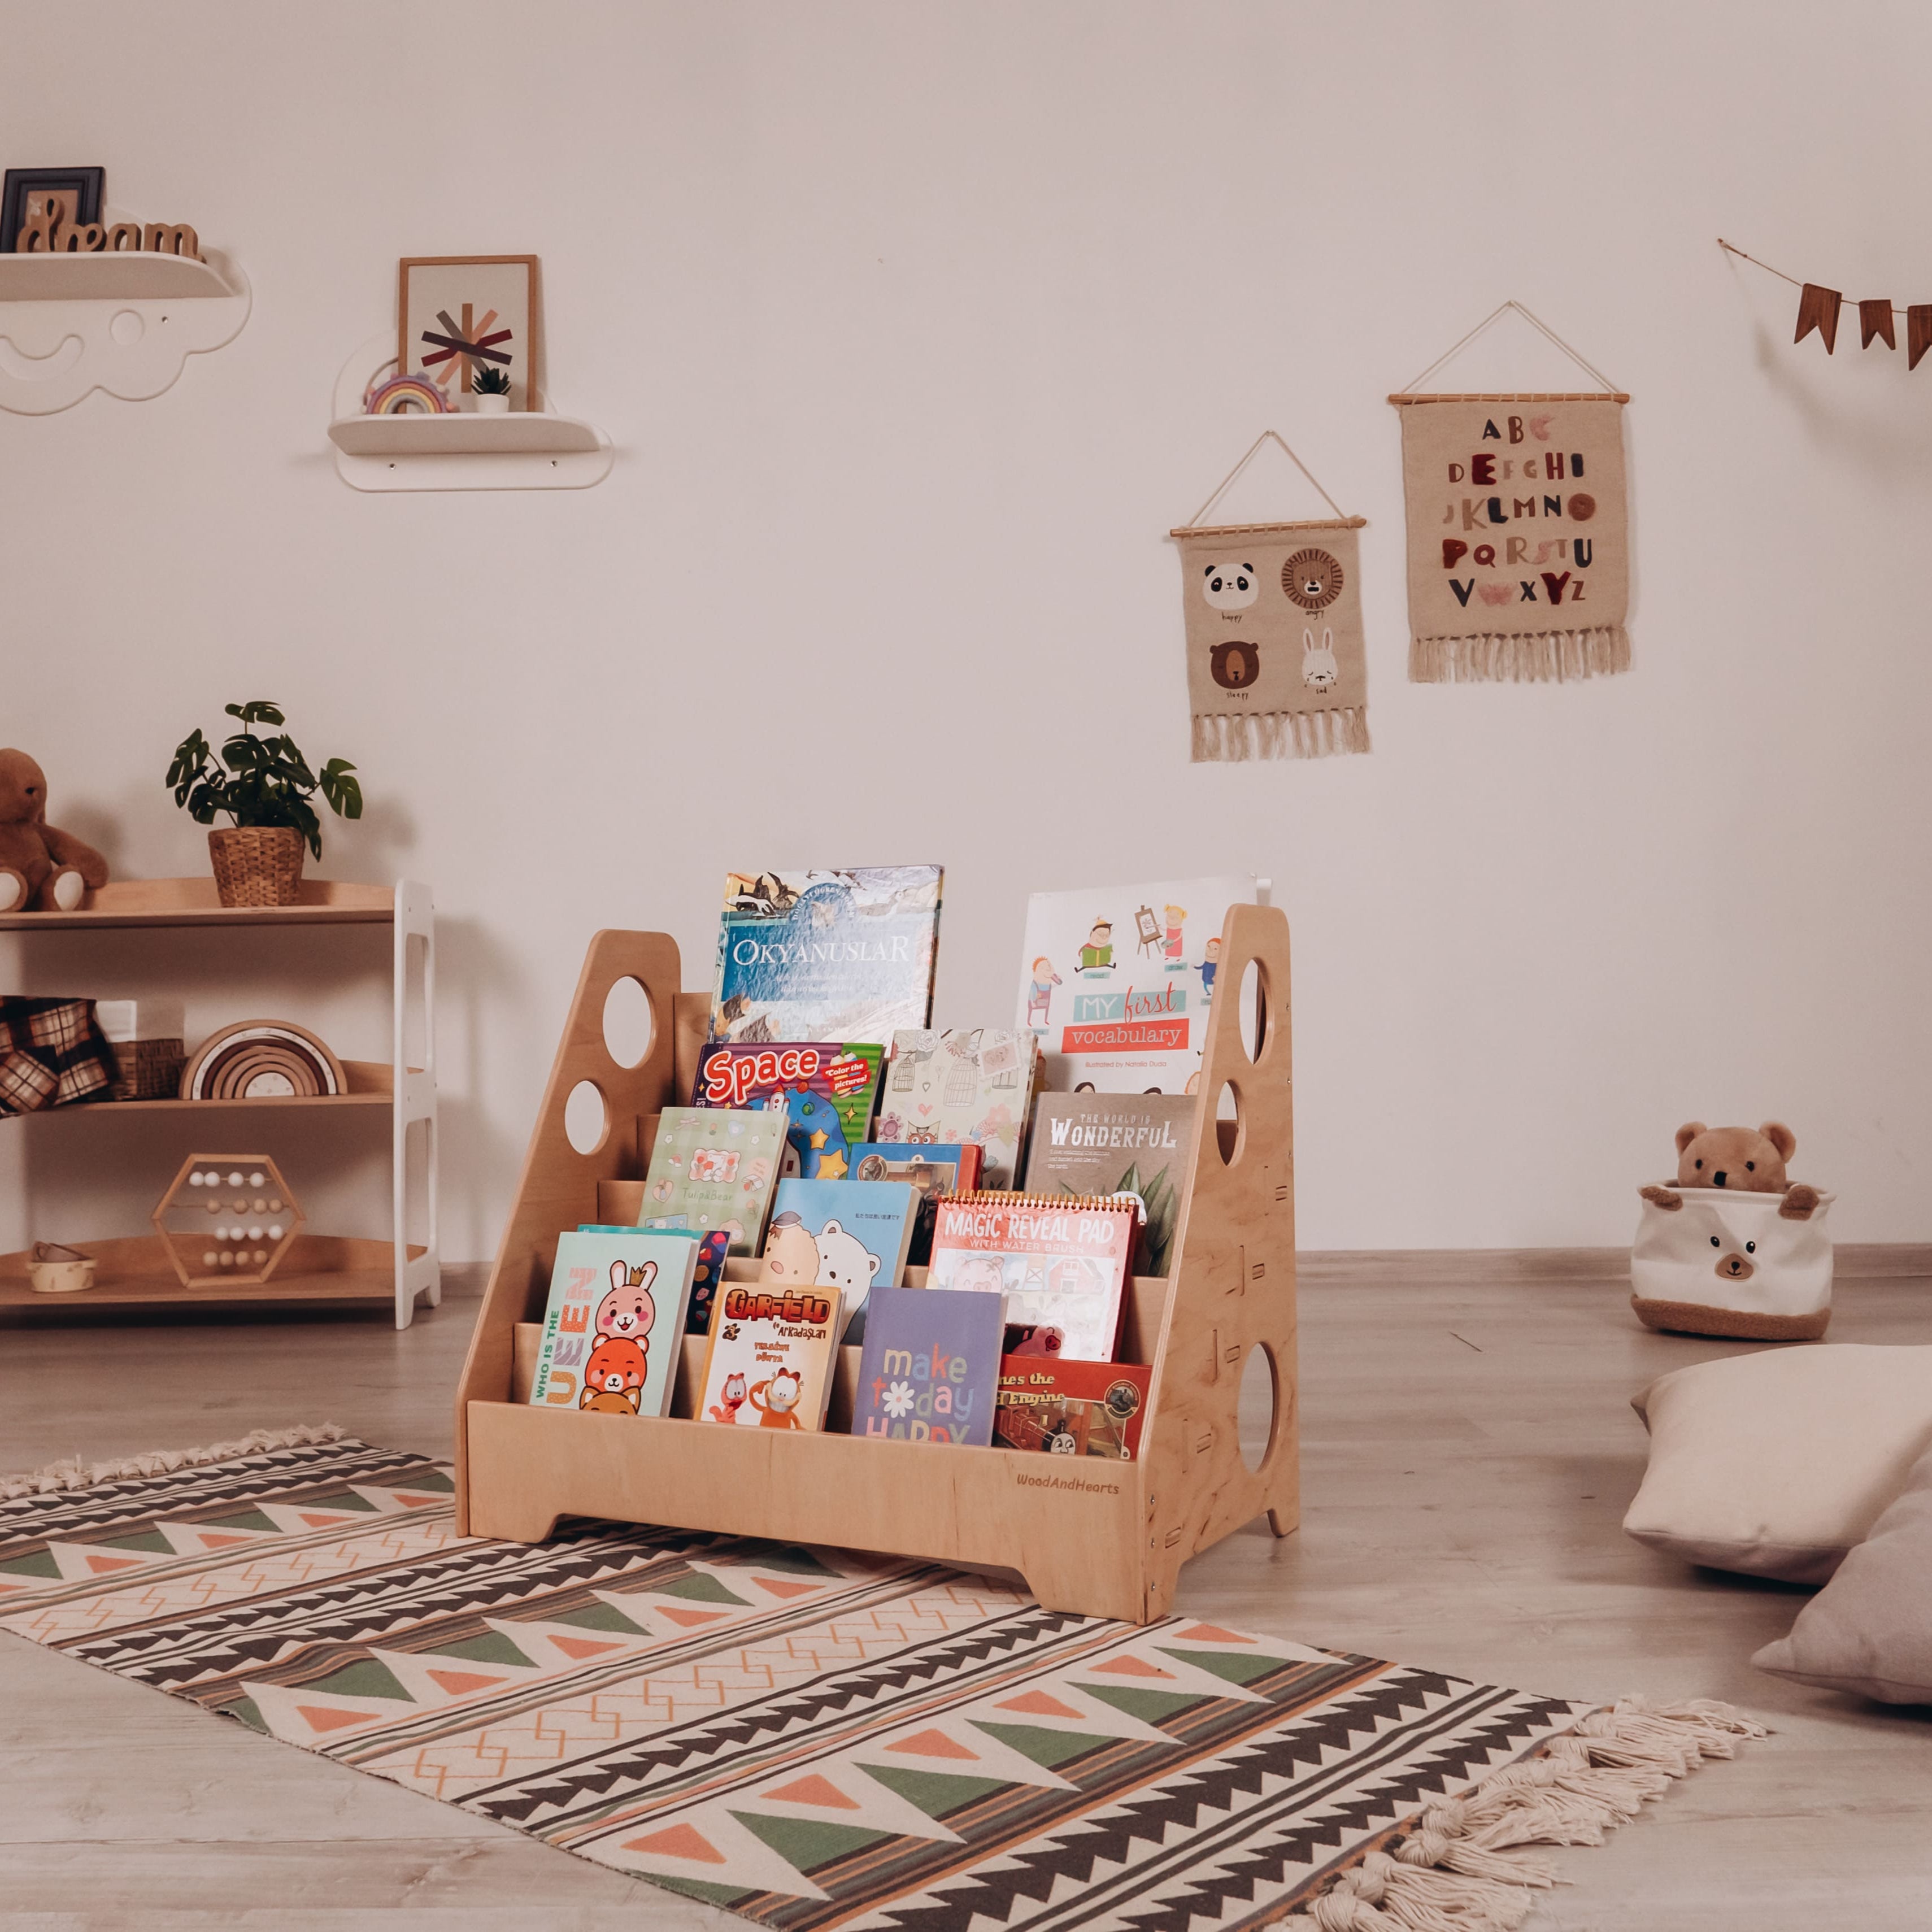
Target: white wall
[917, 327]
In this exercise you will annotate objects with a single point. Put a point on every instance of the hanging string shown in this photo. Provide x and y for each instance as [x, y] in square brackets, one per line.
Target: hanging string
[1227, 481]
[1536, 323]
[1730, 249]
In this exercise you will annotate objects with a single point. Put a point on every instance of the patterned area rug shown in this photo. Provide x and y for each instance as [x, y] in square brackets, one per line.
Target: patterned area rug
[813, 1739]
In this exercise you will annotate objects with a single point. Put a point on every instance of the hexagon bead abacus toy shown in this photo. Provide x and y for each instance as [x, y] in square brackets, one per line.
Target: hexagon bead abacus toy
[227, 1217]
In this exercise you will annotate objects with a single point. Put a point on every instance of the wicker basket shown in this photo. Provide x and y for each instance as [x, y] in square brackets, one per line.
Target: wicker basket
[257, 865]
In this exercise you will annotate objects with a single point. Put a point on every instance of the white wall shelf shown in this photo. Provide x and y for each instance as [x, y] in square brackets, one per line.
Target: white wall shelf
[124, 323]
[530, 449]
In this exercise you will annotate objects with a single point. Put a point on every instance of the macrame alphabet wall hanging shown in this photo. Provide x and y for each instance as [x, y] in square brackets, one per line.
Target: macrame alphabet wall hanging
[1276, 667]
[1518, 529]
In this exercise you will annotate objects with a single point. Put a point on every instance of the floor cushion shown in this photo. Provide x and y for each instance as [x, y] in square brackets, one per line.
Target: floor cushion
[1870, 1629]
[1776, 1463]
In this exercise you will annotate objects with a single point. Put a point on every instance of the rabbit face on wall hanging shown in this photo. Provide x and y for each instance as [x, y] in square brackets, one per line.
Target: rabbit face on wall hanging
[1319, 671]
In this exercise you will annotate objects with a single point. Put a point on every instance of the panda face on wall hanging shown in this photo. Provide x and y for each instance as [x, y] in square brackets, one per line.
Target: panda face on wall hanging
[1230, 585]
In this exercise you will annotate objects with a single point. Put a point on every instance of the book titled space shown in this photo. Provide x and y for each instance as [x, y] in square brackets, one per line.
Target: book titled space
[1116, 982]
[614, 1323]
[850, 1235]
[931, 1367]
[826, 1088]
[1058, 1266]
[843, 955]
[715, 1167]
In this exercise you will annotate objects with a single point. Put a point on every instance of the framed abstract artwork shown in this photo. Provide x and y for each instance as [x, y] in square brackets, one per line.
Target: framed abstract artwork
[73, 193]
[459, 315]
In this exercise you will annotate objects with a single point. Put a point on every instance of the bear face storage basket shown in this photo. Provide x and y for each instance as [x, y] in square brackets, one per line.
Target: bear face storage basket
[1726, 1262]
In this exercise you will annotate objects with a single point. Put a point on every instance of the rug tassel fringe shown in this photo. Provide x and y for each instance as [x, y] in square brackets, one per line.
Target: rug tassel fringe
[1526, 657]
[1450, 1873]
[76, 1474]
[1221, 738]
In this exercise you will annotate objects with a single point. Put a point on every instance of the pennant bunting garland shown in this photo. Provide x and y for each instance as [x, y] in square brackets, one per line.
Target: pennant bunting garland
[1518, 534]
[1818, 308]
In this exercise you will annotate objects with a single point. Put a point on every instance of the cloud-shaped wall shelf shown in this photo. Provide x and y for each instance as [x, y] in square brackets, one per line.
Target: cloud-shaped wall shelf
[126, 323]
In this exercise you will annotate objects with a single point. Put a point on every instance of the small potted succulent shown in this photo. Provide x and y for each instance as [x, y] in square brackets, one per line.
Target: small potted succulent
[493, 391]
[265, 785]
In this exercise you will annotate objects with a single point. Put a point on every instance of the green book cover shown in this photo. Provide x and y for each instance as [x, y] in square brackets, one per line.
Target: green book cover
[716, 1167]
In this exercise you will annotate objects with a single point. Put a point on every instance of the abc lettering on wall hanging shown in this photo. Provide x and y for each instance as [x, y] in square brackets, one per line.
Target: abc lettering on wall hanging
[1276, 667]
[1519, 531]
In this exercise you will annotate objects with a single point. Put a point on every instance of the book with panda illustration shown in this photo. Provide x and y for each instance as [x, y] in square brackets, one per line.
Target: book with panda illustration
[773, 1350]
[1056, 1265]
[842, 956]
[827, 1089]
[715, 1167]
[614, 1325]
[846, 1235]
[1116, 982]
[972, 1085]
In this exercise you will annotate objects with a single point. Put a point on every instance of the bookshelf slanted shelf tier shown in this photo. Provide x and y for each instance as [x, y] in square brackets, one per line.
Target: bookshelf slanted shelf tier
[135, 1271]
[1100, 1538]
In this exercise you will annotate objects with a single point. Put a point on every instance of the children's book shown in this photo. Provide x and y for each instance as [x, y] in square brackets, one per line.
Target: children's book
[1116, 982]
[943, 1167]
[846, 1235]
[772, 1354]
[1059, 1265]
[825, 956]
[828, 1091]
[931, 1366]
[614, 1323]
[1071, 1408]
[974, 1086]
[715, 1167]
[1089, 1144]
[705, 1281]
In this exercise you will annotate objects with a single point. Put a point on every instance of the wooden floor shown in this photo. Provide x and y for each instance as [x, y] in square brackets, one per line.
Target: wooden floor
[1468, 1453]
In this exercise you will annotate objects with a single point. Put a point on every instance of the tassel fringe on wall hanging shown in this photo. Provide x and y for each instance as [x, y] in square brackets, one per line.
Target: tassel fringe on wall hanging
[1818, 308]
[1276, 667]
[1518, 529]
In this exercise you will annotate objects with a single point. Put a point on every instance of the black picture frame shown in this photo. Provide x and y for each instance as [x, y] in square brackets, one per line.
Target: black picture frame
[87, 185]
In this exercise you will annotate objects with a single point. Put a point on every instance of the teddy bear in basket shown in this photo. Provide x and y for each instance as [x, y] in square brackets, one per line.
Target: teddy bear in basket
[42, 869]
[1734, 1247]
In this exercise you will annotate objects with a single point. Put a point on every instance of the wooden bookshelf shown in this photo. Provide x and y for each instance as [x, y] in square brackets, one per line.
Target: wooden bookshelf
[1093, 1536]
[403, 1270]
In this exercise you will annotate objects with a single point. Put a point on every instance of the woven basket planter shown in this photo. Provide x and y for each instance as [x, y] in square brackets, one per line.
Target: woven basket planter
[257, 865]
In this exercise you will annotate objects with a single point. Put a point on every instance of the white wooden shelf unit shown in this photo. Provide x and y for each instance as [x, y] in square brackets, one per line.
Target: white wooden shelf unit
[135, 1271]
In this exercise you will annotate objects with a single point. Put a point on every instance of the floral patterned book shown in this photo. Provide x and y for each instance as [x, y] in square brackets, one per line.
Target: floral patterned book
[931, 1366]
[974, 1085]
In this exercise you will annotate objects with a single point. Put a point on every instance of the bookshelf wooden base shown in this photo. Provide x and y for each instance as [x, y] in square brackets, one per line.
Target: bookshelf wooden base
[135, 1273]
[1090, 1535]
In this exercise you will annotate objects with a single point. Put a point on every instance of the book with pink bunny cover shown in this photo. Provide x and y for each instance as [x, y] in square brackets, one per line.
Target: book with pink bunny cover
[614, 1327]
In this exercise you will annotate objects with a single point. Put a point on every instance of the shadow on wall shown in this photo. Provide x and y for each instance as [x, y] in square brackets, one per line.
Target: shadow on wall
[483, 1002]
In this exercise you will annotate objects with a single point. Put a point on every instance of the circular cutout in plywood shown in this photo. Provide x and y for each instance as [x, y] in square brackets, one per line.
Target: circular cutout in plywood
[262, 1060]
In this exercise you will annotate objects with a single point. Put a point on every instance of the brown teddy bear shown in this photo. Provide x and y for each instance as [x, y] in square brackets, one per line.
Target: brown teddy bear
[42, 869]
[1751, 1159]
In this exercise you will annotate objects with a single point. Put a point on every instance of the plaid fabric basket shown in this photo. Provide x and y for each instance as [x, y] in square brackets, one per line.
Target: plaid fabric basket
[52, 1053]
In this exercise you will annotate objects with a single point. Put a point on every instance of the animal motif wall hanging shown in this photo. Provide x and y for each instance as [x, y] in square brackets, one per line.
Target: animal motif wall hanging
[1276, 666]
[1519, 532]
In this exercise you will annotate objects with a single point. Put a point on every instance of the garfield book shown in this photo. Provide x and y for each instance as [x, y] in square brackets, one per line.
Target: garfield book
[773, 1352]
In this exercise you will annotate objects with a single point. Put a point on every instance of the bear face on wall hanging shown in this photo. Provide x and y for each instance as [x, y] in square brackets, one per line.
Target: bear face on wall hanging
[1276, 666]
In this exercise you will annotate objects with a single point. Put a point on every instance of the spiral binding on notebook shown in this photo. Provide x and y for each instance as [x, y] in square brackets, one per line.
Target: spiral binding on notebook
[997, 1197]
